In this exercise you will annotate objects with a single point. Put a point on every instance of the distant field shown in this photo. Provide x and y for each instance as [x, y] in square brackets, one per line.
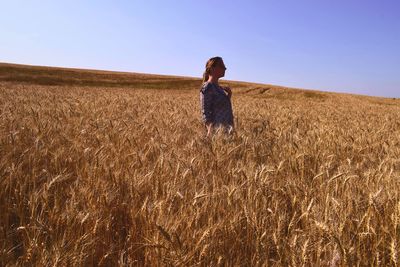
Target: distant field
[106, 168]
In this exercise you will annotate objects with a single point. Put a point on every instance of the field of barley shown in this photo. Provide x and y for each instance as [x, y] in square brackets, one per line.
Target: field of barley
[112, 169]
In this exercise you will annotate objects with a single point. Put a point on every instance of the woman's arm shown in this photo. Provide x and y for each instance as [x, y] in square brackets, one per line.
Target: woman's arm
[228, 91]
[207, 105]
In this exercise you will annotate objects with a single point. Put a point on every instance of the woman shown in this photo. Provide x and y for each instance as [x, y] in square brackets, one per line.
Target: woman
[215, 100]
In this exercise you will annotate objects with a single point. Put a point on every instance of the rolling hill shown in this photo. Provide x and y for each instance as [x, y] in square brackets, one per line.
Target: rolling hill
[112, 168]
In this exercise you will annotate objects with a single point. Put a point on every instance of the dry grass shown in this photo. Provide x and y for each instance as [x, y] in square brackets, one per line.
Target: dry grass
[119, 174]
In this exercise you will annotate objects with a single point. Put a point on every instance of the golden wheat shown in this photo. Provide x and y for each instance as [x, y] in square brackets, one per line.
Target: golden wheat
[123, 176]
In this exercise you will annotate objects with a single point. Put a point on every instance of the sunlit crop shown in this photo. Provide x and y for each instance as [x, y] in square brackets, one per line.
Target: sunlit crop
[121, 174]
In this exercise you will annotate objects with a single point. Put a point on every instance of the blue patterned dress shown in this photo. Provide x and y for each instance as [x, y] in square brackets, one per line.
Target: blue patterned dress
[216, 107]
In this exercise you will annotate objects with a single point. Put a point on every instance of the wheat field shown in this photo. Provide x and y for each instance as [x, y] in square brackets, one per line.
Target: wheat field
[112, 169]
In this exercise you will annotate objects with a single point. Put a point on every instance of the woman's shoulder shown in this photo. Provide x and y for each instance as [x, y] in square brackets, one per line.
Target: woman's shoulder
[206, 87]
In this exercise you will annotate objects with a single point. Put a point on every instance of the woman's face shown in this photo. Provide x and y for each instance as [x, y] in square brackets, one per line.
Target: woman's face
[219, 69]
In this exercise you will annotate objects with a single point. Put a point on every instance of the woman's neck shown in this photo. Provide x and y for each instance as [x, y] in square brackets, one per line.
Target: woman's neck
[212, 79]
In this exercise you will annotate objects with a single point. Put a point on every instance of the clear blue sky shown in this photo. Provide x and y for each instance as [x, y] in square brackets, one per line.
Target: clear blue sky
[342, 45]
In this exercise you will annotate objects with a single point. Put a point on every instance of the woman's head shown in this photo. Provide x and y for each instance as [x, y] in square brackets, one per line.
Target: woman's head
[215, 67]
